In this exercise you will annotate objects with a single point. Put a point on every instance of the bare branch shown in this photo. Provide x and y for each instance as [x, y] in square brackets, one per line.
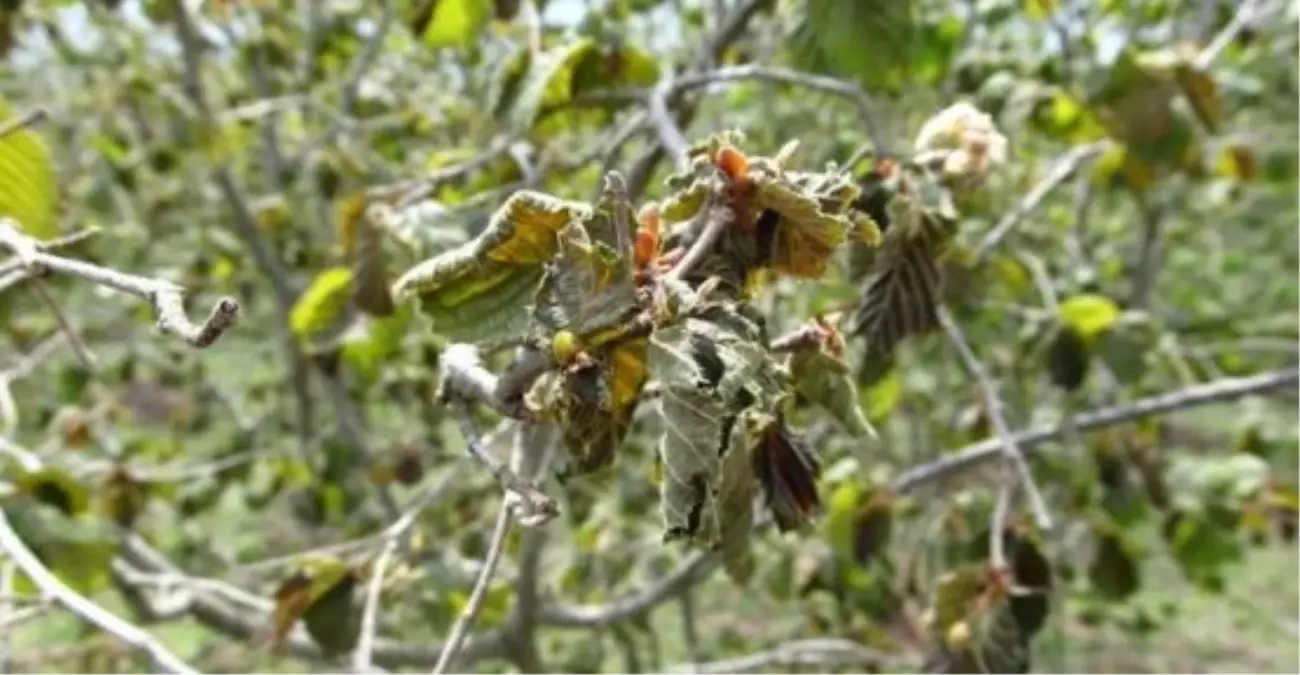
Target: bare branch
[824, 653]
[479, 594]
[106, 621]
[697, 566]
[23, 121]
[841, 88]
[993, 408]
[167, 298]
[719, 219]
[1247, 11]
[393, 538]
[1061, 171]
[535, 506]
[369, 53]
[670, 135]
[972, 456]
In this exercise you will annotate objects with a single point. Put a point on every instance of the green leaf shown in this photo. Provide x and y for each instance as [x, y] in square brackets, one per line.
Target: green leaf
[735, 502]
[825, 380]
[28, 193]
[1068, 359]
[1038, 9]
[78, 550]
[456, 23]
[375, 341]
[323, 306]
[1089, 314]
[319, 593]
[1114, 572]
[548, 82]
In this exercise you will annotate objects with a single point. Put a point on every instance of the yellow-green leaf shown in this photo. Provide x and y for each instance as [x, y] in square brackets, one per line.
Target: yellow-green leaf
[28, 193]
[323, 304]
[456, 23]
[548, 82]
[1089, 314]
[480, 290]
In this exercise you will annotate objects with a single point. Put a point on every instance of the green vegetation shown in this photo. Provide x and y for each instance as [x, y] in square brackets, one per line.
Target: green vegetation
[727, 336]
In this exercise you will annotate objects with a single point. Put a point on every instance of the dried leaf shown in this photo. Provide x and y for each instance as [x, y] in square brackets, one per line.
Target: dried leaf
[372, 294]
[904, 283]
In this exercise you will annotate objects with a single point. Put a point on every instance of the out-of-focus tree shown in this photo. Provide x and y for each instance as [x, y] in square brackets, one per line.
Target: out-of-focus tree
[532, 319]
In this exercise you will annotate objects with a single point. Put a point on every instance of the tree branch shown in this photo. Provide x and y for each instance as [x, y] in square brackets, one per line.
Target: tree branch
[101, 618]
[973, 456]
[479, 594]
[167, 298]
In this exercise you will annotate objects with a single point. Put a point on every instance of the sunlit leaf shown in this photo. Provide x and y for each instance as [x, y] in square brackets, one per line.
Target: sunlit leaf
[323, 305]
[1088, 314]
[453, 23]
[28, 193]
[548, 82]
[481, 289]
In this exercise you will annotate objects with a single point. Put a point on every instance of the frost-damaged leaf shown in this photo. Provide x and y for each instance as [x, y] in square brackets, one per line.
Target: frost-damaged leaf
[322, 308]
[826, 381]
[735, 495]
[812, 223]
[720, 389]
[28, 193]
[481, 289]
[588, 287]
[372, 294]
[320, 593]
[904, 283]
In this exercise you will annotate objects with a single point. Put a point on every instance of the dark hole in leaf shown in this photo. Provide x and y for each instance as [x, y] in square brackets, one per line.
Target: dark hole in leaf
[727, 426]
[50, 492]
[874, 200]
[707, 360]
[765, 233]
[787, 469]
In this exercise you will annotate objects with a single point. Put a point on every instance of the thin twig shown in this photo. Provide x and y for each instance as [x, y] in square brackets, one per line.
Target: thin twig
[393, 536]
[822, 653]
[993, 408]
[536, 507]
[479, 594]
[998, 525]
[167, 298]
[369, 53]
[1246, 12]
[719, 219]
[23, 121]
[972, 456]
[1061, 171]
[50, 585]
[670, 134]
[841, 88]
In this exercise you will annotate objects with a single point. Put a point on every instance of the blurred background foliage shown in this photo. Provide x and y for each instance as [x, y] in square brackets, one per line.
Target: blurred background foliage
[251, 482]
